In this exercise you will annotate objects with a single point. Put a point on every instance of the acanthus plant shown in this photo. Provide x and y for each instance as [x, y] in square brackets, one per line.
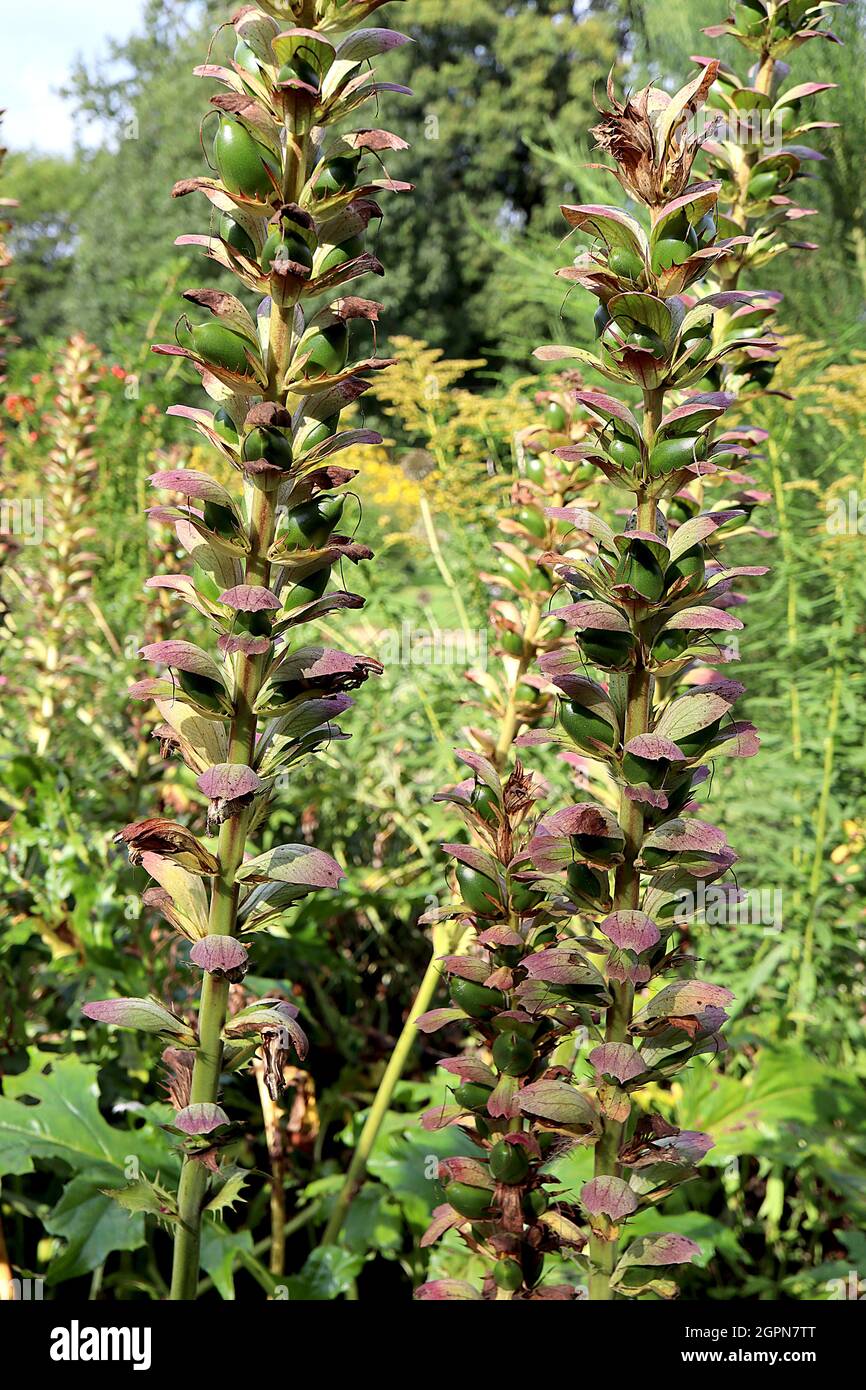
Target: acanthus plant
[55, 577]
[760, 159]
[577, 913]
[292, 204]
[523, 626]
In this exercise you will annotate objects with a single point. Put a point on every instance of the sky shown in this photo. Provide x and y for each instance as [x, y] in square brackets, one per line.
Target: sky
[42, 39]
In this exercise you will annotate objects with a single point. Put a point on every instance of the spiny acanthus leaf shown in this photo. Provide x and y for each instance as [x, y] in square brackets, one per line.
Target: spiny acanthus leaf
[61, 1124]
[146, 1197]
[230, 1192]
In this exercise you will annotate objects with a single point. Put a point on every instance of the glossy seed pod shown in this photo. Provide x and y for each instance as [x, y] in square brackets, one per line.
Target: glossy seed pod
[474, 1202]
[218, 345]
[284, 245]
[509, 1163]
[474, 999]
[328, 350]
[477, 889]
[513, 1054]
[585, 726]
[242, 161]
[308, 526]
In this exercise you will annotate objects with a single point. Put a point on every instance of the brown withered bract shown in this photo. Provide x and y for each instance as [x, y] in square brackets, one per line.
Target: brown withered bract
[177, 1081]
[170, 841]
[649, 139]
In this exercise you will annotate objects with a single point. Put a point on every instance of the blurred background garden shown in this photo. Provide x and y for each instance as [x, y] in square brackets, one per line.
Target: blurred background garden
[497, 128]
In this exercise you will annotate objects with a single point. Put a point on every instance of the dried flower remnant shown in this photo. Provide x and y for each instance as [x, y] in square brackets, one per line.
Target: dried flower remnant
[294, 196]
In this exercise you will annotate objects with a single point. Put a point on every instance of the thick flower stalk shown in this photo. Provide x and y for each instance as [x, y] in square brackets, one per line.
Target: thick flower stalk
[294, 203]
[649, 604]
[55, 579]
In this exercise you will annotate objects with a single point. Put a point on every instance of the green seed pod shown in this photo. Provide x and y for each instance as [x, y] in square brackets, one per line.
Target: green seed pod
[639, 567]
[241, 160]
[246, 58]
[220, 520]
[601, 318]
[748, 21]
[226, 428]
[525, 897]
[233, 234]
[308, 589]
[474, 999]
[536, 1202]
[300, 69]
[670, 454]
[513, 1054]
[624, 263]
[484, 802]
[473, 1096]
[636, 770]
[285, 246]
[477, 890]
[584, 725]
[508, 1275]
[509, 569]
[312, 433]
[308, 526]
[585, 882]
[609, 650]
[328, 349]
[648, 340]
[339, 174]
[511, 642]
[339, 255]
[534, 520]
[694, 744]
[508, 1162]
[669, 646]
[555, 417]
[599, 847]
[787, 116]
[268, 443]
[535, 468]
[680, 509]
[691, 567]
[668, 252]
[622, 450]
[763, 185]
[217, 345]
[526, 694]
[202, 690]
[473, 1202]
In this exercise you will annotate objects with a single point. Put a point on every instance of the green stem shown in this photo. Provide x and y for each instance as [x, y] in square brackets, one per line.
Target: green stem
[222, 918]
[442, 566]
[805, 989]
[382, 1101]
